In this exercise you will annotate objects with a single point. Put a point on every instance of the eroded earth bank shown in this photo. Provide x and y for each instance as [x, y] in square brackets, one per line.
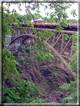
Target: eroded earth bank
[47, 75]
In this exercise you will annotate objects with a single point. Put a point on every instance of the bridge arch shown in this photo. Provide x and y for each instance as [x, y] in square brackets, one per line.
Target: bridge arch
[16, 43]
[19, 38]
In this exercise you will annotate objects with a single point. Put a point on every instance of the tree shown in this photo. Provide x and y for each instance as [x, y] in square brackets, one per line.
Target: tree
[37, 16]
[72, 20]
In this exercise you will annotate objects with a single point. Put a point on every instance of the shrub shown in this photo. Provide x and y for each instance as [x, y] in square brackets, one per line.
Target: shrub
[15, 54]
[72, 88]
[66, 100]
[23, 92]
[18, 68]
[74, 62]
[9, 66]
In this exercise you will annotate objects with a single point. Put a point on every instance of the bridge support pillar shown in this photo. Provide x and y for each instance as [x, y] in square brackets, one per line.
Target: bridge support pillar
[14, 47]
[7, 40]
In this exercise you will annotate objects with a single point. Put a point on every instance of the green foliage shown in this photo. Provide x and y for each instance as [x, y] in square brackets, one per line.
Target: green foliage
[46, 56]
[72, 88]
[18, 68]
[37, 16]
[43, 72]
[7, 22]
[15, 54]
[63, 22]
[9, 65]
[58, 29]
[49, 34]
[74, 59]
[42, 55]
[21, 18]
[25, 62]
[66, 100]
[65, 36]
[23, 92]
[30, 25]
[56, 19]
[26, 47]
[72, 20]
[39, 100]
[58, 10]
[42, 52]
[51, 19]
[73, 12]
[74, 62]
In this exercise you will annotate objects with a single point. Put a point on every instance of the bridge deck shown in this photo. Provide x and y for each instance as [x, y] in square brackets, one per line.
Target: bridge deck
[51, 29]
[51, 25]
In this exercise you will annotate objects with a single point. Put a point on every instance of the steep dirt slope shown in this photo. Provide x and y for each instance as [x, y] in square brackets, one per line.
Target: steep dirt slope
[46, 75]
[48, 80]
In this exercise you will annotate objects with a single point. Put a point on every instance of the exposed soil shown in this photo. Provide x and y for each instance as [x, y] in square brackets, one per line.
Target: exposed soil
[56, 97]
[47, 77]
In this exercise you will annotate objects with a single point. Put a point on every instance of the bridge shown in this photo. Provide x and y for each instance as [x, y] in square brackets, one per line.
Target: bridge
[63, 49]
[70, 26]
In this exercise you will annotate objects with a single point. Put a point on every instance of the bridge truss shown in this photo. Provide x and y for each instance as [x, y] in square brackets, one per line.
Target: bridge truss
[62, 48]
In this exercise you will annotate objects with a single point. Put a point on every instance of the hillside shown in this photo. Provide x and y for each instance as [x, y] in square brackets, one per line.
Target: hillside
[45, 74]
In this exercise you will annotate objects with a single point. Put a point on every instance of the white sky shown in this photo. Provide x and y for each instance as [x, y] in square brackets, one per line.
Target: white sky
[74, 6]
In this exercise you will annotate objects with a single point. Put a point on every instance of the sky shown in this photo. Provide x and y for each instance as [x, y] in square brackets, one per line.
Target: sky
[74, 6]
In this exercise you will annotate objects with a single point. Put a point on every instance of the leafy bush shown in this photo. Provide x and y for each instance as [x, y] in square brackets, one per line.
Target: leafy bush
[25, 62]
[40, 53]
[74, 62]
[74, 58]
[18, 68]
[39, 100]
[25, 48]
[15, 54]
[72, 88]
[46, 56]
[28, 49]
[22, 92]
[66, 100]
[9, 66]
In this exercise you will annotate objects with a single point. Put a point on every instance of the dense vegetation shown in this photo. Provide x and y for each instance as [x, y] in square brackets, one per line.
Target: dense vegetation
[16, 90]
[72, 87]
